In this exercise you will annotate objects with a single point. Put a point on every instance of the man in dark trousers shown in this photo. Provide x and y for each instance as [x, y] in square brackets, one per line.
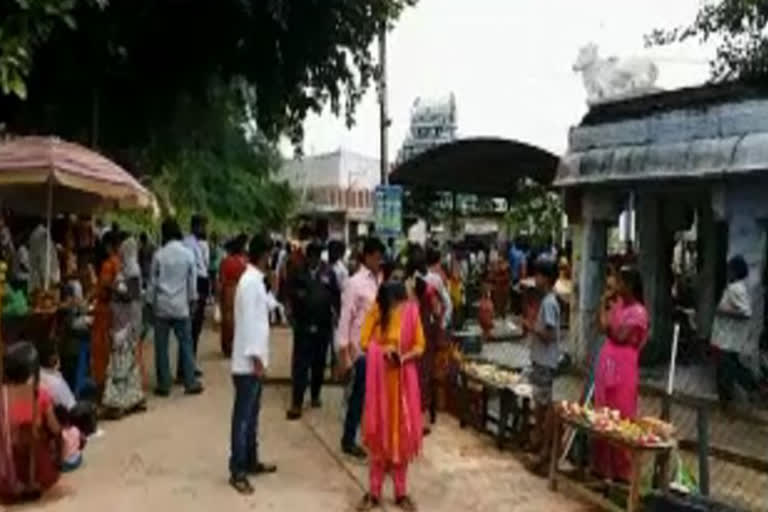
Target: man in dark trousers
[315, 298]
[197, 243]
[359, 296]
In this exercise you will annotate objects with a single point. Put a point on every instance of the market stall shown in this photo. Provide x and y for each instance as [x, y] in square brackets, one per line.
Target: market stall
[479, 382]
[642, 439]
[45, 176]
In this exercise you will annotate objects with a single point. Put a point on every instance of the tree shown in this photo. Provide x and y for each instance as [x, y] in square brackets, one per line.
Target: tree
[423, 203]
[738, 26]
[24, 26]
[175, 89]
[537, 211]
[121, 73]
[218, 166]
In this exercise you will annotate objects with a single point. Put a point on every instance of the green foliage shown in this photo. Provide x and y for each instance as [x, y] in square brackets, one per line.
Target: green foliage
[738, 26]
[424, 203]
[219, 167]
[123, 71]
[536, 211]
[176, 91]
[24, 26]
[135, 222]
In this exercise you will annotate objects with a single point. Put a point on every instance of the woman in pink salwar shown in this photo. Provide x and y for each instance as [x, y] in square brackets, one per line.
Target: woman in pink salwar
[617, 374]
[393, 338]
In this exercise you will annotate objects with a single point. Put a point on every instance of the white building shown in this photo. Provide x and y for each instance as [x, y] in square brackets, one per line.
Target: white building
[335, 191]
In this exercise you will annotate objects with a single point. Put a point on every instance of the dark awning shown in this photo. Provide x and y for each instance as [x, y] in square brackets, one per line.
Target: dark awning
[481, 166]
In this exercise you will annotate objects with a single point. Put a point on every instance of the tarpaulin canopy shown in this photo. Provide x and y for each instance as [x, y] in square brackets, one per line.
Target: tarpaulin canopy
[481, 166]
[40, 173]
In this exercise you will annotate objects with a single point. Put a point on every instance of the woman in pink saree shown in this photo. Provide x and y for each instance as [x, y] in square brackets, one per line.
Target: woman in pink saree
[393, 338]
[617, 374]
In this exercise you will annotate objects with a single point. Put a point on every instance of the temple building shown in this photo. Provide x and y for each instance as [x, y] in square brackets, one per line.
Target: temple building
[693, 163]
[433, 123]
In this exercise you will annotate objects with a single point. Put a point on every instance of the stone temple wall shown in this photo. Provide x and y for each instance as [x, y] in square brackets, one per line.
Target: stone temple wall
[746, 209]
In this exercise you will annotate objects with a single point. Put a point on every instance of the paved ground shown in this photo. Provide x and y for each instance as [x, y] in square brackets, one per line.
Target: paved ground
[174, 458]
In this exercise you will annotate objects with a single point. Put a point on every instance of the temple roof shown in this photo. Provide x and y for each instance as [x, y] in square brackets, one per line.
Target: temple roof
[708, 132]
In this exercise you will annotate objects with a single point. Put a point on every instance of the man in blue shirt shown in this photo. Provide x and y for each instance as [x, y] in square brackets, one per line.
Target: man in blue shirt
[516, 258]
[197, 243]
[172, 293]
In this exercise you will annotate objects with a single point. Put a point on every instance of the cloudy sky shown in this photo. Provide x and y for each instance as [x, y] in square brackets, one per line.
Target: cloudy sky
[509, 62]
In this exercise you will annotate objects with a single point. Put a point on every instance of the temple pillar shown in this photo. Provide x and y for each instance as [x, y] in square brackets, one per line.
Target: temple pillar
[746, 214]
[599, 213]
[656, 244]
[706, 278]
[574, 326]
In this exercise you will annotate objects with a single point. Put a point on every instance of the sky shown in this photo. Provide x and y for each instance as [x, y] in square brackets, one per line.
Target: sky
[509, 63]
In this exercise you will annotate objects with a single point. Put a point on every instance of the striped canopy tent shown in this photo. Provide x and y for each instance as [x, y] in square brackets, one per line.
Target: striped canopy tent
[47, 174]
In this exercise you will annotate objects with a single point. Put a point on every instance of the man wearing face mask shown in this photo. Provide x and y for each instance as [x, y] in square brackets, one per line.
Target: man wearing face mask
[315, 298]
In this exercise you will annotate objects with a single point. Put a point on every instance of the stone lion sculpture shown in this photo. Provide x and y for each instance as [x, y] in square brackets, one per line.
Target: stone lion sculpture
[609, 79]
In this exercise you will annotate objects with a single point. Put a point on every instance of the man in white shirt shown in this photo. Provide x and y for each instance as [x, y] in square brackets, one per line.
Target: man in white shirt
[197, 243]
[336, 251]
[172, 293]
[435, 278]
[250, 358]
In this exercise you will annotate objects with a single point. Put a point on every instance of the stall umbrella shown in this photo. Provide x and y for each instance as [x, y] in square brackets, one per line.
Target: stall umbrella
[47, 173]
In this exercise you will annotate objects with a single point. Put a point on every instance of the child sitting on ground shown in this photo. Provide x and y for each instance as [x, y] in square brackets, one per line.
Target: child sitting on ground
[51, 378]
[76, 424]
[77, 419]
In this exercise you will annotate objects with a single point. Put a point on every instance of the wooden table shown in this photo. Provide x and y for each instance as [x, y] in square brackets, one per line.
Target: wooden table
[637, 454]
[509, 408]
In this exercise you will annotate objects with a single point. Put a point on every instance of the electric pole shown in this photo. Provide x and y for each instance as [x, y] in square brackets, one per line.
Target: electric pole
[383, 110]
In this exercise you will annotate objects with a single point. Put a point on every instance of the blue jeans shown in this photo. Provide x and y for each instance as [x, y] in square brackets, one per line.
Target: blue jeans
[83, 363]
[355, 406]
[183, 330]
[245, 425]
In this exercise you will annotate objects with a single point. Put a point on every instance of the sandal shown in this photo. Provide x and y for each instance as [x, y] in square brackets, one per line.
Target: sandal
[368, 503]
[406, 503]
[241, 485]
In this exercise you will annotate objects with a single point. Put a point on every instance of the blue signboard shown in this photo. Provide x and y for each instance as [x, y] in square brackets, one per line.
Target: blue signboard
[388, 210]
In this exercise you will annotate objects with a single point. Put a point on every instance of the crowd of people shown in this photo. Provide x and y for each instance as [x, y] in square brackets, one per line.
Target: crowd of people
[380, 322]
[88, 363]
[381, 318]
